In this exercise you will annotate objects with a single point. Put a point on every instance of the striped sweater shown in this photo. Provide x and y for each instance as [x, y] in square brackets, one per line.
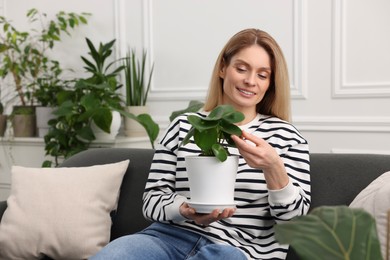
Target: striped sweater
[258, 209]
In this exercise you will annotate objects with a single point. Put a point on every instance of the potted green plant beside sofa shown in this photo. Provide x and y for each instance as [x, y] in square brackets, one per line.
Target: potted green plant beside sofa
[332, 232]
[212, 174]
[137, 89]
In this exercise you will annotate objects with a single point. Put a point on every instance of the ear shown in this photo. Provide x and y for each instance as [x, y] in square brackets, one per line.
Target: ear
[222, 71]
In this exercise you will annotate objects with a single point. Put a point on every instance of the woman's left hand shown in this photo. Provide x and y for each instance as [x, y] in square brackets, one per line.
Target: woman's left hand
[260, 154]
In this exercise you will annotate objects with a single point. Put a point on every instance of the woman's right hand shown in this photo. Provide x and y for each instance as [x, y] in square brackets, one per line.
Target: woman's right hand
[202, 218]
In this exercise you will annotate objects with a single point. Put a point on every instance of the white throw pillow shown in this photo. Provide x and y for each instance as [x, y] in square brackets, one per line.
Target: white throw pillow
[63, 213]
[375, 199]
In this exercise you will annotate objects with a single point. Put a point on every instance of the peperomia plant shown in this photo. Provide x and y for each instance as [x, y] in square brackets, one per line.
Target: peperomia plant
[212, 133]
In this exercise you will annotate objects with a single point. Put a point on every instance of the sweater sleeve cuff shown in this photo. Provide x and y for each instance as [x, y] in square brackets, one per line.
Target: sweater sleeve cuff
[172, 210]
[284, 196]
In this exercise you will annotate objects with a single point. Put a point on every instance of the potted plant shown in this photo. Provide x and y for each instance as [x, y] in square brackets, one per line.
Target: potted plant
[332, 232]
[137, 90]
[48, 87]
[86, 105]
[23, 54]
[212, 174]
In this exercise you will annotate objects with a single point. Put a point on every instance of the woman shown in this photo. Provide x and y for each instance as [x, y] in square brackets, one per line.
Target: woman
[273, 180]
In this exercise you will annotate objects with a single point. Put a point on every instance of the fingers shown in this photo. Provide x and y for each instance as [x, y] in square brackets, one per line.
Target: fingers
[215, 215]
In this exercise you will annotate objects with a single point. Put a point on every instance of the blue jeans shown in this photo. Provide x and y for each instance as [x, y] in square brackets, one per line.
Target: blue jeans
[162, 241]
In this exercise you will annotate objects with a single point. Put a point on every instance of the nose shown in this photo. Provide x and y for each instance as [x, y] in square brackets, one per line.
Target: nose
[250, 79]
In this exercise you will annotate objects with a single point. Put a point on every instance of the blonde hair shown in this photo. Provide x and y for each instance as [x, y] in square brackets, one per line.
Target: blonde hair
[276, 101]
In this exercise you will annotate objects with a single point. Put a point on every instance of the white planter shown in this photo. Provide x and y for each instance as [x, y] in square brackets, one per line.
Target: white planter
[132, 127]
[211, 182]
[43, 114]
[114, 129]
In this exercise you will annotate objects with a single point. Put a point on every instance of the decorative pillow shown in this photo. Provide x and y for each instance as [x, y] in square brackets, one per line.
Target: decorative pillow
[375, 199]
[63, 213]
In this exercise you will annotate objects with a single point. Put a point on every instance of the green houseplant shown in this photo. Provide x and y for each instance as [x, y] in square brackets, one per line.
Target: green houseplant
[89, 101]
[85, 101]
[137, 86]
[332, 232]
[212, 133]
[24, 54]
[212, 173]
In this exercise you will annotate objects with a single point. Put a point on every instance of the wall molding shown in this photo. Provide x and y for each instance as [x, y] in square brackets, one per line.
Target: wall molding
[325, 124]
[342, 124]
[341, 88]
[298, 71]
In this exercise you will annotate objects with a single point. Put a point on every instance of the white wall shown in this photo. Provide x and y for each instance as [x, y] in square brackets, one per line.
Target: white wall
[337, 52]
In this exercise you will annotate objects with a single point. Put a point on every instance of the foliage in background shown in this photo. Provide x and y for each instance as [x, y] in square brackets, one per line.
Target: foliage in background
[193, 106]
[212, 133]
[24, 53]
[88, 99]
[137, 89]
[332, 232]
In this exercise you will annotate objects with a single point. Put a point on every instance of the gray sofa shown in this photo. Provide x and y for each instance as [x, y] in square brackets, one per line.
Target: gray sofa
[336, 180]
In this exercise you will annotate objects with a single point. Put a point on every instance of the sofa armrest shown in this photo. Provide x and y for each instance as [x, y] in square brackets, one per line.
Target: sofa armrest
[3, 206]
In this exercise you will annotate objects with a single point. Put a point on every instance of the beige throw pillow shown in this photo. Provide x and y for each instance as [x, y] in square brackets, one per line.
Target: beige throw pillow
[375, 199]
[63, 213]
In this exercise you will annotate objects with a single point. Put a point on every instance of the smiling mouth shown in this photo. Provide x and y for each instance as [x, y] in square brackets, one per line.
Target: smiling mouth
[248, 93]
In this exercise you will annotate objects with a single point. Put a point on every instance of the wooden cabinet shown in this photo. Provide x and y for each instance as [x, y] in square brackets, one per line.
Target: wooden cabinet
[30, 152]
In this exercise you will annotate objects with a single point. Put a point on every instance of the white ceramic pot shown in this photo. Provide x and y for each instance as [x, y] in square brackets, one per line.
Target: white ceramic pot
[211, 182]
[132, 127]
[43, 114]
[114, 129]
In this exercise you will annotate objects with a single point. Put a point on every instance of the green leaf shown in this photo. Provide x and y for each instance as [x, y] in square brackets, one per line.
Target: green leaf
[152, 128]
[230, 128]
[220, 152]
[102, 117]
[332, 232]
[200, 124]
[234, 117]
[220, 111]
[206, 138]
[188, 136]
[193, 106]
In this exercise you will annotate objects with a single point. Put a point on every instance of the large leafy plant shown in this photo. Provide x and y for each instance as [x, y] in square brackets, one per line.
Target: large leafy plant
[24, 54]
[212, 134]
[88, 100]
[332, 232]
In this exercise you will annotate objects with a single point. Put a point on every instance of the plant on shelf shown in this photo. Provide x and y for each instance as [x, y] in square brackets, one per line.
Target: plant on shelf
[24, 55]
[137, 86]
[137, 89]
[87, 104]
[88, 101]
[332, 232]
[212, 133]
[24, 58]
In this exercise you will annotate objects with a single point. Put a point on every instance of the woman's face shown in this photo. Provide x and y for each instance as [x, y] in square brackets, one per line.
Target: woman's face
[246, 79]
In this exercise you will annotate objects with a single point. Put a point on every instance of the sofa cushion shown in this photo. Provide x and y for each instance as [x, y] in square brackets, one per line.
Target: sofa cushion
[63, 213]
[375, 199]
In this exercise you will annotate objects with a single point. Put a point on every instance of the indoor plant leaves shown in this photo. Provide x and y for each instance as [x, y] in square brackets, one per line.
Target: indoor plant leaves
[332, 232]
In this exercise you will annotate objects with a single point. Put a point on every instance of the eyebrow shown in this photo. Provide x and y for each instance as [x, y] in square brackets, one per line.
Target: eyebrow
[246, 63]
